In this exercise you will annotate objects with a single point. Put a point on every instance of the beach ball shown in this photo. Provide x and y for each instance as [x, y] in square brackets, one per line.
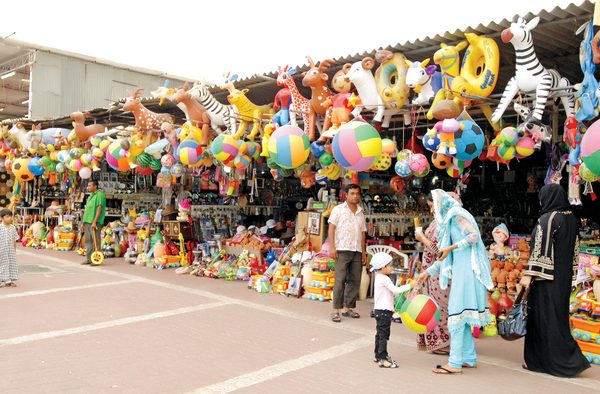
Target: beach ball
[251, 148]
[75, 153]
[507, 152]
[189, 152]
[289, 146]
[590, 148]
[423, 173]
[441, 161]
[242, 147]
[326, 159]
[224, 148]
[420, 314]
[586, 174]
[167, 160]
[356, 146]
[98, 153]
[384, 162]
[177, 170]
[418, 163]
[85, 172]
[388, 146]
[469, 140]
[35, 166]
[20, 168]
[525, 147]
[456, 168]
[117, 157]
[75, 165]
[241, 161]
[508, 136]
[402, 168]
[87, 159]
[431, 140]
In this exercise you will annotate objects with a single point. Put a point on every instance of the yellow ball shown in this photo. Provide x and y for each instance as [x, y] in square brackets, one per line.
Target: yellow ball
[50, 148]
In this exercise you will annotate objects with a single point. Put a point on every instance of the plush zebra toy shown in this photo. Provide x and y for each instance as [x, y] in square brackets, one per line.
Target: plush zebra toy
[530, 76]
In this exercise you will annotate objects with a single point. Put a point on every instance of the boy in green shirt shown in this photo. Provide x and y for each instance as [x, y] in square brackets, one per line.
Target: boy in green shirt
[93, 218]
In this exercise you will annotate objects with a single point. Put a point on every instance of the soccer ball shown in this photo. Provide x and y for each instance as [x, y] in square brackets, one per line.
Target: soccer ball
[469, 140]
[441, 161]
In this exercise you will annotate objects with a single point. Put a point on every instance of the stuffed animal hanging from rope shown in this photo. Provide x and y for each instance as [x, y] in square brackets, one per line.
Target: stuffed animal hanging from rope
[530, 76]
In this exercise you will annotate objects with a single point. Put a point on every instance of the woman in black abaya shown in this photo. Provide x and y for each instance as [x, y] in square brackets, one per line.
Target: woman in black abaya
[549, 346]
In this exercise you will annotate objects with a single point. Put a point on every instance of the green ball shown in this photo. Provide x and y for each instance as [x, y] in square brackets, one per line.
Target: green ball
[326, 159]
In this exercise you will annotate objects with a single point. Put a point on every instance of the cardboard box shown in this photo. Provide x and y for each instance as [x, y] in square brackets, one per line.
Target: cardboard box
[316, 240]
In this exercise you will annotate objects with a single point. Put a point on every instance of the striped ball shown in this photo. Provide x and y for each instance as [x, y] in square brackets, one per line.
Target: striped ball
[189, 152]
[420, 314]
[241, 162]
[357, 146]
[117, 157]
[289, 146]
[224, 148]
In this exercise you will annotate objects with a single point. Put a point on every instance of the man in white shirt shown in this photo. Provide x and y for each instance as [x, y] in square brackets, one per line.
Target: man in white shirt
[347, 232]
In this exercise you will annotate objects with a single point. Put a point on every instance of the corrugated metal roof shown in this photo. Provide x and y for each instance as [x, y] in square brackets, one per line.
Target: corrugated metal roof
[555, 41]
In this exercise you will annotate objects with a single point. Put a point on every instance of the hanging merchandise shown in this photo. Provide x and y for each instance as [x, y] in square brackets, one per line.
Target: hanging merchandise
[357, 146]
[289, 147]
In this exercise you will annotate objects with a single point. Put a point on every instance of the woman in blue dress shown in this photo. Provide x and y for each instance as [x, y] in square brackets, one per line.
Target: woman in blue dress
[462, 259]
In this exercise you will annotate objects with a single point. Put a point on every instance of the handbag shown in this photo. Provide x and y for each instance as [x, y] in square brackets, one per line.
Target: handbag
[514, 326]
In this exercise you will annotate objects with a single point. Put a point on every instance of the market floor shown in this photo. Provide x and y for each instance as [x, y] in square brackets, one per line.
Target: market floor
[123, 328]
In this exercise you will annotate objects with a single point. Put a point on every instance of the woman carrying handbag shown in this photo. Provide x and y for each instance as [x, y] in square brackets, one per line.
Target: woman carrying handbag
[549, 346]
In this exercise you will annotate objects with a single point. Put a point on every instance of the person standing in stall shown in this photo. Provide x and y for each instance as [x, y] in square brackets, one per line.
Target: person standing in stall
[9, 271]
[93, 219]
[549, 346]
[347, 232]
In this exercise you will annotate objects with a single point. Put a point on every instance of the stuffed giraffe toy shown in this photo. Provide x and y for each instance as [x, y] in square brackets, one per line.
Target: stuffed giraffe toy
[285, 77]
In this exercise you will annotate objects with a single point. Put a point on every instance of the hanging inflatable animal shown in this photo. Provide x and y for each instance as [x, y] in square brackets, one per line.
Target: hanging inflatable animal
[448, 58]
[145, 120]
[530, 76]
[281, 104]
[82, 131]
[316, 79]
[196, 112]
[420, 78]
[390, 79]
[586, 98]
[221, 115]
[300, 104]
[339, 105]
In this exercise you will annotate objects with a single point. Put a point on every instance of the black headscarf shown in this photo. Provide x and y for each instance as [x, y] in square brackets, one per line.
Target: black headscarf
[553, 198]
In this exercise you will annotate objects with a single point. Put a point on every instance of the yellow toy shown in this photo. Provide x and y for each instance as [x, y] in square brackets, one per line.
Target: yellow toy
[137, 144]
[248, 112]
[390, 79]
[268, 130]
[448, 58]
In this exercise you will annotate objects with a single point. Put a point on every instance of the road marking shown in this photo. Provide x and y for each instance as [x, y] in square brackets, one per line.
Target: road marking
[61, 289]
[276, 370]
[515, 367]
[107, 324]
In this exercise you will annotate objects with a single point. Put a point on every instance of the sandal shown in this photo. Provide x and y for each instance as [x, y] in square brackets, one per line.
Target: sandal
[440, 352]
[466, 365]
[11, 284]
[335, 317]
[388, 363]
[351, 313]
[524, 366]
[440, 370]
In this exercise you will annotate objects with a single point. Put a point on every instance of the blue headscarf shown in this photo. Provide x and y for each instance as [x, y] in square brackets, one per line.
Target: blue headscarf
[446, 209]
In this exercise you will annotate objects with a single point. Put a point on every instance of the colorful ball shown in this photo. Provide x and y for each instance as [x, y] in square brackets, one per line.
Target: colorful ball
[384, 162]
[289, 146]
[104, 144]
[35, 166]
[97, 152]
[317, 149]
[60, 168]
[75, 165]
[87, 159]
[525, 147]
[241, 162]
[63, 156]
[457, 167]
[418, 163]
[388, 146]
[117, 157]
[507, 152]
[20, 168]
[75, 153]
[508, 136]
[420, 314]
[357, 146]
[189, 152]
[242, 147]
[590, 148]
[224, 148]
[167, 160]
[431, 140]
[441, 161]
[469, 140]
[177, 170]
[424, 173]
[586, 174]
[404, 154]
[402, 168]
[251, 148]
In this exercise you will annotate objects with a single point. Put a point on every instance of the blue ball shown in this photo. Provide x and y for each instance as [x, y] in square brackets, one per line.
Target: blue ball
[317, 149]
[35, 167]
[469, 141]
[402, 168]
[431, 143]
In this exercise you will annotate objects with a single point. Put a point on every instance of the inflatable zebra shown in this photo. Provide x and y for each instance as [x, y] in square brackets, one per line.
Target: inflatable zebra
[530, 76]
[220, 115]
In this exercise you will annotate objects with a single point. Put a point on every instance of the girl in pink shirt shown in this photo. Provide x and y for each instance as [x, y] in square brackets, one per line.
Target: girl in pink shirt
[384, 292]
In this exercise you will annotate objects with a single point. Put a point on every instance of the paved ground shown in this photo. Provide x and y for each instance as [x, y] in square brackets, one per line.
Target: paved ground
[121, 328]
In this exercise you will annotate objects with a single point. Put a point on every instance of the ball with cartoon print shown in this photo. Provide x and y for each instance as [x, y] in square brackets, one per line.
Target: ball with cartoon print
[402, 168]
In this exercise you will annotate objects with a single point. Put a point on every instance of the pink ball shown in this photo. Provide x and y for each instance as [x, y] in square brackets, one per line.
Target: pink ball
[418, 162]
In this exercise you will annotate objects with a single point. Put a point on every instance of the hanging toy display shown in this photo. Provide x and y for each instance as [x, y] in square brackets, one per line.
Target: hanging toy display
[289, 147]
[357, 146]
